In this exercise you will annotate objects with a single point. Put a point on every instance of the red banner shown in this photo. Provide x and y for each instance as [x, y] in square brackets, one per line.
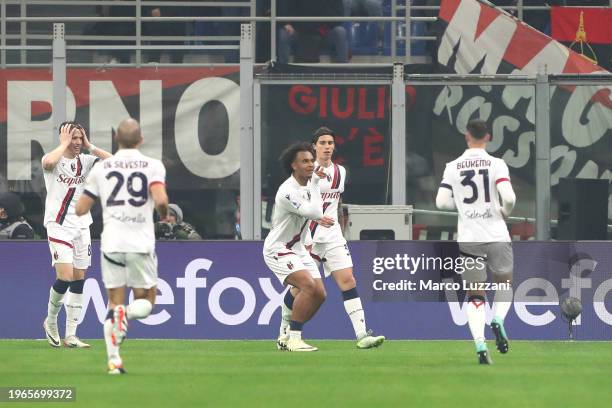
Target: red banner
[586, 30]
[566, 20]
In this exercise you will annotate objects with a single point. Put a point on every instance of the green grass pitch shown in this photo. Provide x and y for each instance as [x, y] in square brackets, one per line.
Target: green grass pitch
[175, 373]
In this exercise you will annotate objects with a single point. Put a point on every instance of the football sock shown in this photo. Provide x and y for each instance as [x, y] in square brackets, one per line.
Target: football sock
[476, 317]
[354, 309]
[139, 309]
[56, 298]
[295, 330]
[286, 308]
[74, 306]
[501, 303]
[112, 351]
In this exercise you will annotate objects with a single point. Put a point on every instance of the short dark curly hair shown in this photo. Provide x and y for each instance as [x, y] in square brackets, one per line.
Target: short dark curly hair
[290, 153]
[320, 132]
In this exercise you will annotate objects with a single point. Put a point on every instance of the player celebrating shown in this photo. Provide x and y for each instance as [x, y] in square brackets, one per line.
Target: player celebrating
[65, 169]
[329, 246]
[129, 185]
[472, 184]
[296, 202]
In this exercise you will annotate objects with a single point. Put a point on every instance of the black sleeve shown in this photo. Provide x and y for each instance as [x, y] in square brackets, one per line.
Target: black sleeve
[24, 231]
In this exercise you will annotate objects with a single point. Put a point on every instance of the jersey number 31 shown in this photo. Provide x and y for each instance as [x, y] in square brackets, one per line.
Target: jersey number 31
[468, 181]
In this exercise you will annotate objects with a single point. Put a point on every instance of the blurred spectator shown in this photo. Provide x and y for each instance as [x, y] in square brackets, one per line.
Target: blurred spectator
[166, 29]
[115, 28]
[175, 227]
[365, 8]
[207, 28]
[32, 193]
[262, 36]
[232, 28]
[12, 224]
[228, 28]
[309, 38]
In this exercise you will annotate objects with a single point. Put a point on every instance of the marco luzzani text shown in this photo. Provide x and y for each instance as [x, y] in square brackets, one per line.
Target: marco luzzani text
[427, 265]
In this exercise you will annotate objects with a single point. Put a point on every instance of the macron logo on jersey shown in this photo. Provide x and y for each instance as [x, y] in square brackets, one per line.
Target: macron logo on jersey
[293, 203]
[70, 180]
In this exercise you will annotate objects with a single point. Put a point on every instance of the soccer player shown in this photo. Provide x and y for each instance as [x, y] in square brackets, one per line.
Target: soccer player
[473, 184]
[130, 185]
[295, 204]
[329, 247]
[65, 169]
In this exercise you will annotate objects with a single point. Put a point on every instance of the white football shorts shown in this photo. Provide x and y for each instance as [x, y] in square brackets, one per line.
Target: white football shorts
[284, 264]
[134, 270]
[334, 257]
[69, 245]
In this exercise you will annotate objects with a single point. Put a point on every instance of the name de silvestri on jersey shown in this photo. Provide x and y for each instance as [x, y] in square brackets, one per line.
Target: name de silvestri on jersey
[406, 285]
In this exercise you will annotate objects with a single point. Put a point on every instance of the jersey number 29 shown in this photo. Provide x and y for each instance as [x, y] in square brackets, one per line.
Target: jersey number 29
[138, 195]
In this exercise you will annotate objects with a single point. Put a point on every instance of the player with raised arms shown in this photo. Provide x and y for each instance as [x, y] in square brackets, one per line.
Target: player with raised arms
[297, 201]
[473, 184]
[65, 169]
[130, 186]
[329, 247]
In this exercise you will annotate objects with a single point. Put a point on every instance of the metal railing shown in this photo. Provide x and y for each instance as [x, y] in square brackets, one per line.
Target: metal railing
[25, 39]
[511, 219]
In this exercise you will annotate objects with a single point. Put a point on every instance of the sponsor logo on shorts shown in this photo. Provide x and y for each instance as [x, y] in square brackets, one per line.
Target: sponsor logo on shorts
[290, 265]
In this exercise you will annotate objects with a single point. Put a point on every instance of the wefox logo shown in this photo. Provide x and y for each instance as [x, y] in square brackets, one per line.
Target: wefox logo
[534, 308]
[194, 285]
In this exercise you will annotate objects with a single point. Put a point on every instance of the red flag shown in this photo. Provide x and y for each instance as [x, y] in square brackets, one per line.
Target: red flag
[587, 30]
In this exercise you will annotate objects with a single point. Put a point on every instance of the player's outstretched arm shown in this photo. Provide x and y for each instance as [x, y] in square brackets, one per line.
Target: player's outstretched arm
[86, 201]
[160, 198]
[49, 160]
[508, 197]
[444, 199]
[96, 151]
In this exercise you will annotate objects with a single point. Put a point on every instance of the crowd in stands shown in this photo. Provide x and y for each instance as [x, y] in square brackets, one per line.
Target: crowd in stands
[299, 42]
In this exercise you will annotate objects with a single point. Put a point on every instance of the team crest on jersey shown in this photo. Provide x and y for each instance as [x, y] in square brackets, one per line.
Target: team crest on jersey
[290, 265]
[55, 255]
[72, 167]
[328, 177]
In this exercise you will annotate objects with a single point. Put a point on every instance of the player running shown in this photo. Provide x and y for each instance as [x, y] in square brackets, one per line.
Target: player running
[329, 247]
[472, 184]
[65, 169]
[130, 185]
[295, 204]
